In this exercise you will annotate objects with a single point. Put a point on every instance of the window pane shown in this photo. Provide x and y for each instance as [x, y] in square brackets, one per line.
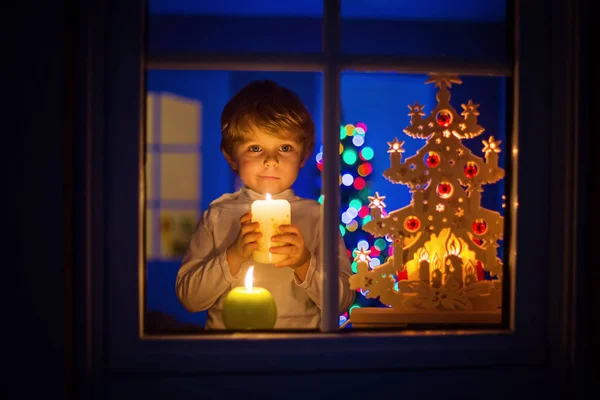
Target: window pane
[468, 30]
[186, 171]
[440, 190]
[235, 26]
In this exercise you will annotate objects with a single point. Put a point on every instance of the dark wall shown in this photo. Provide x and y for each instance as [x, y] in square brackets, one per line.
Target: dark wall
[40, 121]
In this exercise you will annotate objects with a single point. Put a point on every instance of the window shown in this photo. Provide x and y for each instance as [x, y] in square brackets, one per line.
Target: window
[503, 81]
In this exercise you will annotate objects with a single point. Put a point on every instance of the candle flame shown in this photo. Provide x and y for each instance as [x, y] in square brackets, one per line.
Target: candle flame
[268, 196]
[436, 261]
[249, 278]
[453, 246]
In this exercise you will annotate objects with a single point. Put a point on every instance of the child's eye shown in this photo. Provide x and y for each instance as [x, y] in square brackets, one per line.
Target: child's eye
[254, 149]
[286, 148]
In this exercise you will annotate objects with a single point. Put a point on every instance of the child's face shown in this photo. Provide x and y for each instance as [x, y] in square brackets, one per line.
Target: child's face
[267, 164]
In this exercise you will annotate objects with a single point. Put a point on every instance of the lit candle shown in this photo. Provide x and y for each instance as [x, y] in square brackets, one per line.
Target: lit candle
[424, 266]
[270, 214]
[248, 307]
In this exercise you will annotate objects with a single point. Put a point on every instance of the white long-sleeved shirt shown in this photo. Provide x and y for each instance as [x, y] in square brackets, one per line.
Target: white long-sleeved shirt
[204, 277]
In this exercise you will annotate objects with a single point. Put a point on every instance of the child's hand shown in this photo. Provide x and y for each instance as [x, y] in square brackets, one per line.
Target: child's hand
[299, 256]
[245, 243]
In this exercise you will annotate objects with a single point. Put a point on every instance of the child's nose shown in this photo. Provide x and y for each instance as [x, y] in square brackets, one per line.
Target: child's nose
[271, 161]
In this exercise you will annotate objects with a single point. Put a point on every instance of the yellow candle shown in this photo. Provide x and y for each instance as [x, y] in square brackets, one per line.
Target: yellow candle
[247, 307]
[270, 214]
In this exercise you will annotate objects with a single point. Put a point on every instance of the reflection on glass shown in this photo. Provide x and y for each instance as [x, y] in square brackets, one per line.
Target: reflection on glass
[235, 26]
[469, 29]
[429, 251]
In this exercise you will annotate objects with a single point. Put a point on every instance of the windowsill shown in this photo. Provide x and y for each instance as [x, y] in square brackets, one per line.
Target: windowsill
[298, 335]
[343, 351]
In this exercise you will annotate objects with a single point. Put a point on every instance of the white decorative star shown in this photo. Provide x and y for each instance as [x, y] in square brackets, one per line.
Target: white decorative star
[376, 201]
[469, 109]
[491, 145]
[416, 109]
[445, 80]
[362, 255]
[395, 146]
[440, 207]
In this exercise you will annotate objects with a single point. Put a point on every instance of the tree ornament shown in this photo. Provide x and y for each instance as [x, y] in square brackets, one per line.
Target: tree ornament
[412, 224]
[471, 170]
[444, 118]
[432, 159]
[445, 190]
[479, 227]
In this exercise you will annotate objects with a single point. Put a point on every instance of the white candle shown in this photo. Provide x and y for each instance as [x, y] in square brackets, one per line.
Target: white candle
[270, 214]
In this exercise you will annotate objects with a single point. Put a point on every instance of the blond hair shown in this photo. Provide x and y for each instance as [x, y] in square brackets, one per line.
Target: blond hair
[270, 108]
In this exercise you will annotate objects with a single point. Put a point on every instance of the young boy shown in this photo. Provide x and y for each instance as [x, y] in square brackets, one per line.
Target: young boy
[267, 136]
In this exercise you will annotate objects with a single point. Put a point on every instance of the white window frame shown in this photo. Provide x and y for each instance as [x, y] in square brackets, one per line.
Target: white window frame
[113, 227]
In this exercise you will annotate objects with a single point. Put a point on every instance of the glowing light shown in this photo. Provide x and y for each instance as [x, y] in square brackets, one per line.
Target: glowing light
[352, 226]
[342, 133]
[366, 219]
[319, 157]
[346, 218]
[366, 153]
[359, 183]
[354, 267]
[249, 279]
[347, 179]
[320, 199]
[365, 169]
[351, 211]
[363, 212]
[349, 130]
[355, 203]
[342, 230]
[361, 125]
[349, 156]
[341, 148]
[395, 146]
[376, 201]
[380, 244]
[358, 140]
[352, 308]
[362, 244]
[374, 262]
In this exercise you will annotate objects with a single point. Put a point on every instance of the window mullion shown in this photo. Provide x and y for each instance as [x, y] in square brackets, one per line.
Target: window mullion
[331, 170]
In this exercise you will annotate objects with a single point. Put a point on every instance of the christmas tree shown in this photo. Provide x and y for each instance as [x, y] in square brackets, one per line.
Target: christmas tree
[356, 166]
[443, 241]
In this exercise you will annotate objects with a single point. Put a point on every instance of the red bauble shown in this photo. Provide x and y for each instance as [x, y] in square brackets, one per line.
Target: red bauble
[471, 170]
[479, 227]
[411, 224]
[432, 159]
[445, 190]
[444, 118]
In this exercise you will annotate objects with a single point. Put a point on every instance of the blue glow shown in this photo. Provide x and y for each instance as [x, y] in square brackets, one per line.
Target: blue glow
[363, 244]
